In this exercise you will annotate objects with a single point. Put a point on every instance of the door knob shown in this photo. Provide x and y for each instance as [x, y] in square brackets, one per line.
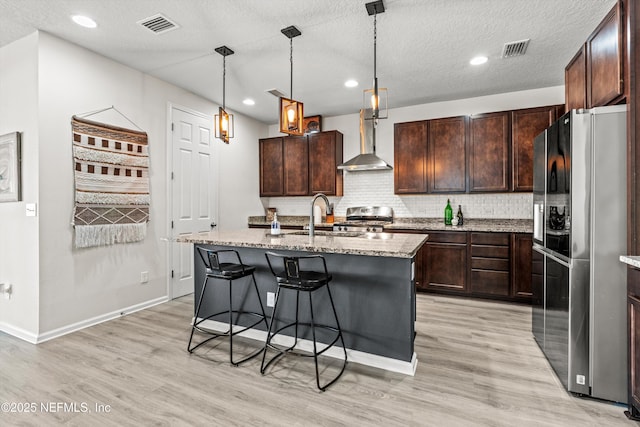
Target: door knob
[213, 225]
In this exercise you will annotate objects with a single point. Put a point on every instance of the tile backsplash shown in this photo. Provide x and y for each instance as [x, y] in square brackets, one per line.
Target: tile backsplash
[375, 188]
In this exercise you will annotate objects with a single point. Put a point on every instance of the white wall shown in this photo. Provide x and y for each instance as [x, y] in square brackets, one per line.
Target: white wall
[376, 187]
[68, 287]
[18, 233]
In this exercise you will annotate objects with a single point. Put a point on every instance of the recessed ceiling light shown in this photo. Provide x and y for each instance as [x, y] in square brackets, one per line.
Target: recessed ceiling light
[84, 21]
[249, 101]
[351, 83]
[478, 60]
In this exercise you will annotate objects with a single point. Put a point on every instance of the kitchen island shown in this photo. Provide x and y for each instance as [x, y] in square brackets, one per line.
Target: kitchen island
[373, 286]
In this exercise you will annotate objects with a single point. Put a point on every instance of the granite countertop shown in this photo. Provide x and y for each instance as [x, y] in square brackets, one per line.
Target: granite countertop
[384, 245]
[471, 224]
[419, 225]
[633, 261]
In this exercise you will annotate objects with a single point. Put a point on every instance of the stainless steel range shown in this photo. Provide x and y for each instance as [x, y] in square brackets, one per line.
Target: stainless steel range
[370, 219]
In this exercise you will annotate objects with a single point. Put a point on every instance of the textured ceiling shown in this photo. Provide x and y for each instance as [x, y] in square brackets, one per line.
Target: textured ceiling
[424, 46]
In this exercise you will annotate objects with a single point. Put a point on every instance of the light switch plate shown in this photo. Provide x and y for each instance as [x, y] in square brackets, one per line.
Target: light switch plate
[30, 209]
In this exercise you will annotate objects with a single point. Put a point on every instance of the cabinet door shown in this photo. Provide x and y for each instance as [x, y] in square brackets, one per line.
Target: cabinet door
[605, 60]
[325, 154]
[410, 157]
[525, 125]
[296, 166]
[489, 169]
[521, 266]
[447, 155]
[575, 81]
[445, 262]
[634, 354]
[271, 167]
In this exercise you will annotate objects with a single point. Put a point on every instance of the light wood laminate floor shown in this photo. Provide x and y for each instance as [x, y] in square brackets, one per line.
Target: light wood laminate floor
[478, 366]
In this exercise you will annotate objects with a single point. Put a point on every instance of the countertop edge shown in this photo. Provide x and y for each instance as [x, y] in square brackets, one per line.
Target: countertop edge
[299, 245]
[632, 260]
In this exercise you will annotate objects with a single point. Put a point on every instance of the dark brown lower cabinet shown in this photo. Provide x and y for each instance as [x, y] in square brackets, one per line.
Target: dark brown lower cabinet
[521, 266]
[489, 266]
[482, 264]
[444, 258]
[634, 355]
[633, 330]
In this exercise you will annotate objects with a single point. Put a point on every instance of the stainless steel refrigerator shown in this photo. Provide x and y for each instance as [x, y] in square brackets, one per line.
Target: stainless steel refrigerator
[579, 286]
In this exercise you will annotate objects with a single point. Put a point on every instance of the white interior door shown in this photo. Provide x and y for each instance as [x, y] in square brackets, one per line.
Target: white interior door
[192, 191]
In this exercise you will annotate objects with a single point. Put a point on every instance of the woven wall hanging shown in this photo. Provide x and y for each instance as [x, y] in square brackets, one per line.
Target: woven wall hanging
[111, 171]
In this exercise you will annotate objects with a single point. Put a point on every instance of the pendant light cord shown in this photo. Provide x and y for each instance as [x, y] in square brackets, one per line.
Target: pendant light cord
[224, 77]
[291, 61]
[375, 42]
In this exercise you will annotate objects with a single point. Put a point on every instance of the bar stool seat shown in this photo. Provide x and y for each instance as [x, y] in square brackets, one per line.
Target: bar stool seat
[289, 276]
[229, 271]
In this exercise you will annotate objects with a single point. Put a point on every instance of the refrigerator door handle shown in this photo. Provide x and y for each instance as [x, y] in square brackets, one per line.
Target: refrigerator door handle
[538, 222]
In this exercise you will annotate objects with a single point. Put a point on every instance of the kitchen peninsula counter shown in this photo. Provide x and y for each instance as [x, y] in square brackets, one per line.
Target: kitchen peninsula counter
[373, 288]
[369, 244]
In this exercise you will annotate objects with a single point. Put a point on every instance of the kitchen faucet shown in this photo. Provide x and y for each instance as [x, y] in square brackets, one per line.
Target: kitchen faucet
[313, 201]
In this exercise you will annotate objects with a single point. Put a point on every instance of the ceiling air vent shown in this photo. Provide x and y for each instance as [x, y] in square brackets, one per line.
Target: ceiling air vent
[276, 93]
[515, 48]
[158, 24]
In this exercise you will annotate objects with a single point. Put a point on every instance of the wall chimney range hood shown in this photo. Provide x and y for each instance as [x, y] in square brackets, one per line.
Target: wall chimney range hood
[367, 159]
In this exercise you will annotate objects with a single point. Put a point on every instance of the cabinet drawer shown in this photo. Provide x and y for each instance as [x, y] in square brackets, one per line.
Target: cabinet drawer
[490, 282]
[484, 251]
[498, 239]
[490, 264]
[454, 237]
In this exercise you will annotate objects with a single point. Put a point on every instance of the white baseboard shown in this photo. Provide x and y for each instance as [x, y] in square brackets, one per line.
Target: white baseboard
[98, 319]
[18, 333]
[355, 356]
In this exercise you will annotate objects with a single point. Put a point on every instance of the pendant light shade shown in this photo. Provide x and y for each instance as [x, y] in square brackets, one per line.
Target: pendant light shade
[224, 120]
[291, 111]
[374, 103]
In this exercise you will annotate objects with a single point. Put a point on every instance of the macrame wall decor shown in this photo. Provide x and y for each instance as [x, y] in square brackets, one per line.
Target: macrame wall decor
[111, 171]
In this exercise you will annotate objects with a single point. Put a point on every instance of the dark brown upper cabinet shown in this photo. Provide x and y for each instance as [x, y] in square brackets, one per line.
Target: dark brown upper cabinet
[526, 124]
[605, 60]
[296, 166]
[301, 165]
[596, 75]
[489, 142]
[447, 155]
[325, 154]
[410, 157]
[271, 167]
[575, 81]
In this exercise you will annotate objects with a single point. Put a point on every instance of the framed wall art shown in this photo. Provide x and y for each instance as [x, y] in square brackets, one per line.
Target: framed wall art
[10, 156]
[312, 124]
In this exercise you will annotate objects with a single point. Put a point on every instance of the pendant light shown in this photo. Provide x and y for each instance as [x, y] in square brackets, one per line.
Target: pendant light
[224, 120]
[375, 99]
[291, 111]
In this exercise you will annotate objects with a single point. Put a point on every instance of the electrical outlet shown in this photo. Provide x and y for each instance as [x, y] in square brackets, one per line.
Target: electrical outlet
[271, 299]
[144, 277]
[580, 379]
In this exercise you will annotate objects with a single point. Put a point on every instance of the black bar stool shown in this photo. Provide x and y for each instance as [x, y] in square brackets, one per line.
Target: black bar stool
[215, 269]
[290, 276]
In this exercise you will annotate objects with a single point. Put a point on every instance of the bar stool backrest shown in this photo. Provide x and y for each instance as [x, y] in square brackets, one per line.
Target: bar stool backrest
[291, 265]
[210, 259]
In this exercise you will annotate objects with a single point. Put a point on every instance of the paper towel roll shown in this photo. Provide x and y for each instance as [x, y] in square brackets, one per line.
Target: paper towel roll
[317, 215]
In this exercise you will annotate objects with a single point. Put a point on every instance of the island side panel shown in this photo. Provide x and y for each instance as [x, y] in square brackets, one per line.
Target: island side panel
[374, 298]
